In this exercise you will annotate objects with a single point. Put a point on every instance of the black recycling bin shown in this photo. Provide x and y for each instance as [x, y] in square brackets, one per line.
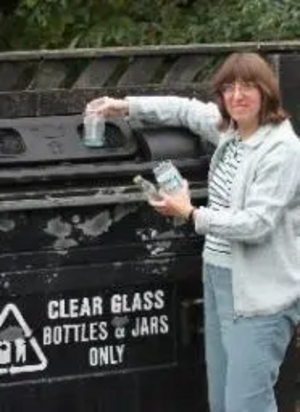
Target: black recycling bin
[101, 298]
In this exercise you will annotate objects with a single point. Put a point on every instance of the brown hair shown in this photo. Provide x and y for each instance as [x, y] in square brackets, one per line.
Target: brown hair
[250, 67]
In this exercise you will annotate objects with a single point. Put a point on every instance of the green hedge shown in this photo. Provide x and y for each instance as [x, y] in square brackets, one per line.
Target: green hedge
[46, 24]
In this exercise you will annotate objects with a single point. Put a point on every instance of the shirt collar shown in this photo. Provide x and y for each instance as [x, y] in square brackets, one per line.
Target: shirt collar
[259, 136]
[256, 139]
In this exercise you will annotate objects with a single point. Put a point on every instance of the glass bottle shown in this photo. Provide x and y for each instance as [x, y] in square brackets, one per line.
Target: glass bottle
[168, 177]
[94, 130]
[147, 187]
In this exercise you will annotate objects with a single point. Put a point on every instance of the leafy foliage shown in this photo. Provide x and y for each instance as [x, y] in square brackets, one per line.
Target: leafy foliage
[46, 24]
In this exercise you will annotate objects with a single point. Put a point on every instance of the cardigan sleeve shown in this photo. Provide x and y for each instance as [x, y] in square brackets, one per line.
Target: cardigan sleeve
[201, 118]
[270, 193]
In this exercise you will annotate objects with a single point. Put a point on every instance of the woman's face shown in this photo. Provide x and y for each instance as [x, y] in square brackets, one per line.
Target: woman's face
[243, 102]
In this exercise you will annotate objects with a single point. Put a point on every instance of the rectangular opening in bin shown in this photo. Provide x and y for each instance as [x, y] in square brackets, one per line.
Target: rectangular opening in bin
[56, 139]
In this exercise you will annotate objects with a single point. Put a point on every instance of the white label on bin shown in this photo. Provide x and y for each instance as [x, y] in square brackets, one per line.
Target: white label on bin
[112, 329]
[106, 326]
[19, 350]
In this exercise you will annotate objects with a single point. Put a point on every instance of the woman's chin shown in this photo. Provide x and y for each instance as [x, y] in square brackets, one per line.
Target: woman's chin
[244, 119]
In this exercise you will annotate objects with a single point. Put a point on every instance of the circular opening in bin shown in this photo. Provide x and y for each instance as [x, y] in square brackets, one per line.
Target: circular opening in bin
[11, 142]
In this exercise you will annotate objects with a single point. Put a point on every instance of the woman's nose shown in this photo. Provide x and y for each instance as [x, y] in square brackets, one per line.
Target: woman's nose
[237, 92]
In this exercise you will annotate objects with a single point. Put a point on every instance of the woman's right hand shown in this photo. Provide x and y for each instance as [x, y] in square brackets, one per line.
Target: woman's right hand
[108, 107]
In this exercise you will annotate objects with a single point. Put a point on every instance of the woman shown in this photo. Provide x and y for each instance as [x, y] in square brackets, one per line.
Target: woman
[251, 261]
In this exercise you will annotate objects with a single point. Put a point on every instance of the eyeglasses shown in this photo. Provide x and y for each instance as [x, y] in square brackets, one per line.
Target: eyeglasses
[244, 88]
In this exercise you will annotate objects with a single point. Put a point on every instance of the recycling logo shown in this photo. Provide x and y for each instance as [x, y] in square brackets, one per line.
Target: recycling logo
[19, 349]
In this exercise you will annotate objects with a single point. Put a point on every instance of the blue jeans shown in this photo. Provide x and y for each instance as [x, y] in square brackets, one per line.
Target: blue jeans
[243, 354]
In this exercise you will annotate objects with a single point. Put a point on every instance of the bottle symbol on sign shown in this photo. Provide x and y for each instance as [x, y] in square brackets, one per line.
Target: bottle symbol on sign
[8, 348]
[5, 352]
[20, 350]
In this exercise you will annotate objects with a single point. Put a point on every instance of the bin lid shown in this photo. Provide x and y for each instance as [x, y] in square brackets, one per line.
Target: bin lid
[45, 164]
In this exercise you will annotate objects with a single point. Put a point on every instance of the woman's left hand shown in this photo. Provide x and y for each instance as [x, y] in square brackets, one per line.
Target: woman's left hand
[177, 204]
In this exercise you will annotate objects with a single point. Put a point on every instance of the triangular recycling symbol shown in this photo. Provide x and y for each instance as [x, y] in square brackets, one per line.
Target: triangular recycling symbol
[15, 342]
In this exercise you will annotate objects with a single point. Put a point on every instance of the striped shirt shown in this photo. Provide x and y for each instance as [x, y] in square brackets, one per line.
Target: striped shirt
[219, 198]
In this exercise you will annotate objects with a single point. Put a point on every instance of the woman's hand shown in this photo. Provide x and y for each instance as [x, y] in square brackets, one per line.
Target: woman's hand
[108, 107]
[177, 204]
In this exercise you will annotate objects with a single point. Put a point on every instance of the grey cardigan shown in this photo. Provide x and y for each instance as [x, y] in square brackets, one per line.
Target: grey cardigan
[263, 222]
